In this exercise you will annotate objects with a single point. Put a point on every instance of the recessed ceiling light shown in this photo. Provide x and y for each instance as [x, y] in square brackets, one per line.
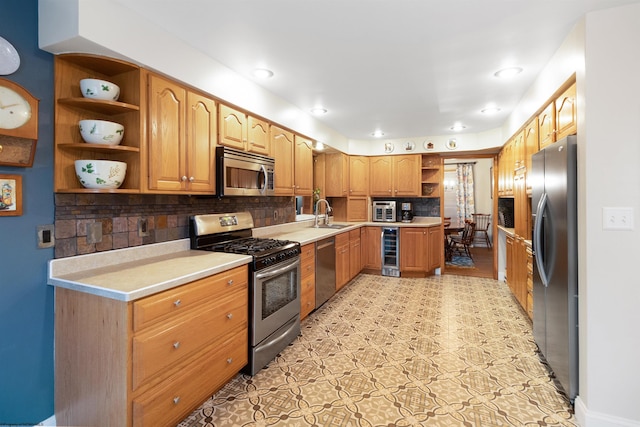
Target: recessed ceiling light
[457, 127]
[378, 134]
[508, 72]
[318, 111]
[262, 73]
[490, 110]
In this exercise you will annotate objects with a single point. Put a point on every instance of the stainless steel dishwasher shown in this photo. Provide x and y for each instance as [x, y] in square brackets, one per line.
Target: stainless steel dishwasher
[325, 270]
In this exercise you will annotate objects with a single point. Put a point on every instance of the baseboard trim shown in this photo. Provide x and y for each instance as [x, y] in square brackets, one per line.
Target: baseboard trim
[587, 418]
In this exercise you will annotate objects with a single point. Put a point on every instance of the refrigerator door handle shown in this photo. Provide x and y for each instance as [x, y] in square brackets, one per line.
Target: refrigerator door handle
[537, 239]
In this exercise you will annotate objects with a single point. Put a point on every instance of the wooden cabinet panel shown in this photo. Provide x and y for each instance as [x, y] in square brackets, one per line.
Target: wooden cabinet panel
[371, 248]
[303, 166]
[282, 151]
[566, 114]
[308, 281]
[530, 282]
[355, 253]
[358, 176]
[336, 175]
[546, 126]
[342, 260]
[167, 137]
[233, 127]
[414, 249]
[201, 147]
[436, 247]
[407, 175]
[258, 136]
[531, 147]
[182, 137]
[381, 176]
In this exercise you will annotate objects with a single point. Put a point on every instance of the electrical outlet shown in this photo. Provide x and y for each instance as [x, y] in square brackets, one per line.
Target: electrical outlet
[617, 219]
[143, 227]
[46, 237]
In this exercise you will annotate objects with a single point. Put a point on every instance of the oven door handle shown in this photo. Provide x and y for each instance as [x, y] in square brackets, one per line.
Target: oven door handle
[270, 273]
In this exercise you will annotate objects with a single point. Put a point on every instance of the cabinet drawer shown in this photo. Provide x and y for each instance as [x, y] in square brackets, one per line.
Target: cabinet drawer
[166, 406]
[151, 309]
[162, 346]
[308, 252]
[308, 267]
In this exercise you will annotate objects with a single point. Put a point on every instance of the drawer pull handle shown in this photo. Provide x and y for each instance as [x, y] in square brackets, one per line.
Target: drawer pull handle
[230, 316]
[176, 344]
[177, 303]
[230, 282]
[230, 360]
[176, 400]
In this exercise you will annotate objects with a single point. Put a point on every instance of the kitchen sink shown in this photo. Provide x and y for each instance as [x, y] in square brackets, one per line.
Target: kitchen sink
[333, 226]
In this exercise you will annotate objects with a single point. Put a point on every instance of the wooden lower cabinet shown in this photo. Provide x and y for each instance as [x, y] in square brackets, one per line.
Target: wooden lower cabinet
[436, 247]
[355, 253]
[372, 248]
[530, 282]
[342, 260]
[517, 269]
[308, 280]
[152, 361]
[414, 249]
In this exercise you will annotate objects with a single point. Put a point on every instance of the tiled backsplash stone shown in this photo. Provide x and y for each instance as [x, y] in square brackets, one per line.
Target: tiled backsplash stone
[167, 218]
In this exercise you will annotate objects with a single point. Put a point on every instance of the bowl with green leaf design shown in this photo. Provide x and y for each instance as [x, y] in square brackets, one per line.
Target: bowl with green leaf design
[101, 132]
[100, 174]
[99, 89]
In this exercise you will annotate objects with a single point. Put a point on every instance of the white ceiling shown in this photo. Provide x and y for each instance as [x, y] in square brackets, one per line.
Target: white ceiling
[407, 67]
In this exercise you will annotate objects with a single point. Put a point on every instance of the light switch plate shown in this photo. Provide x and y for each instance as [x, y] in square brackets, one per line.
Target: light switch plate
[46, 238]
[618, 219]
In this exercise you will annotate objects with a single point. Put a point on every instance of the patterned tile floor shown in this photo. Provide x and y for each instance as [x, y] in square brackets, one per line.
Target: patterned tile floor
[440, 351]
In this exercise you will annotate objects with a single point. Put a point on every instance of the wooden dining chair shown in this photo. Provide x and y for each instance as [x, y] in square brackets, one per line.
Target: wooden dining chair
[461, 244]
[482, 226]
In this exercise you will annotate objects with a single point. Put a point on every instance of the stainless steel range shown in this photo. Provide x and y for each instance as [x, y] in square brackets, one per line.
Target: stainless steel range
[274, 282]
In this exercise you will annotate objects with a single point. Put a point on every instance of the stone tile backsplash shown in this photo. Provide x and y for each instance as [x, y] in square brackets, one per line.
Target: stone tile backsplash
[88, 223]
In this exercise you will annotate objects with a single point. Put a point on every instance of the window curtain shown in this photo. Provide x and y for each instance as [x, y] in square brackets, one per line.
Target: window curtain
[464, 192]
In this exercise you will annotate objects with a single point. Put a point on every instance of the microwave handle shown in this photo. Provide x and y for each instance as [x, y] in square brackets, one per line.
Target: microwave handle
[263, 171]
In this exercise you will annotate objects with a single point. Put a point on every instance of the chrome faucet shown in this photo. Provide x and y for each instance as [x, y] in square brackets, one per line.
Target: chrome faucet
[326, 213]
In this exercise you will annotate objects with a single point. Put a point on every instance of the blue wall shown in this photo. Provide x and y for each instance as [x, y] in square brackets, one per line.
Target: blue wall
[26, 302]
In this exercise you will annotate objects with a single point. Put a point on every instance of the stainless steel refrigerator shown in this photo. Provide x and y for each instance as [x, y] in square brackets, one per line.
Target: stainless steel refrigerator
[555, 243]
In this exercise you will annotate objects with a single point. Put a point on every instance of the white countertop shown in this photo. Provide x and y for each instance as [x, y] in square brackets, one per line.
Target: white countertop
[132, 273]
[136, 272]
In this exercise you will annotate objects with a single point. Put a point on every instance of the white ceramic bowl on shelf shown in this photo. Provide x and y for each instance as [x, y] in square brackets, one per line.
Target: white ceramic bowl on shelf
[101, 132]
[99, 89]
[100, 174]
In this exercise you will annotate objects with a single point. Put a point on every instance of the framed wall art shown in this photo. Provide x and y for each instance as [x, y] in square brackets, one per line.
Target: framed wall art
[10, 195]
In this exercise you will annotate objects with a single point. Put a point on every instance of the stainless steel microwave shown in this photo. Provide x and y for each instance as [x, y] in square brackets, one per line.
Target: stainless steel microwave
[243, 174]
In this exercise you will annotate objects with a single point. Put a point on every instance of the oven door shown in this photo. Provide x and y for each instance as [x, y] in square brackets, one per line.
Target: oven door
[276, 298]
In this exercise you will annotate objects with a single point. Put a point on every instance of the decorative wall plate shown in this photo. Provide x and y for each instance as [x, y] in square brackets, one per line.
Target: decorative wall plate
[409, 146]
[428, 145]
[452, 144]
[388, 147]
[9, 58]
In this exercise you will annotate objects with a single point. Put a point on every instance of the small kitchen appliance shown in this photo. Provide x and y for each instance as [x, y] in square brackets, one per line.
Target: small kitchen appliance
[274, 280]
[384, 211]
[406, 213]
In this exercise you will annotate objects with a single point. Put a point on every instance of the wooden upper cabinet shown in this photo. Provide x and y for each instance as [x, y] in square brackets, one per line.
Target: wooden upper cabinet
[358, 176]
[182, 138]
[530, 146]
[282, 144]
[201, 143]
[303, 166]
[546, 126]
[258, 139]
[167, 136]
[407, 175]
[233, 127]
[518, 151]
[381, 176]
[566, 113]
[395, 176]
[336, 175]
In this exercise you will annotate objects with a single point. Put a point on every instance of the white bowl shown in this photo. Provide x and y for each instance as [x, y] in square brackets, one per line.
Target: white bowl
[99, 89]
[101, 132]
[100, 174]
